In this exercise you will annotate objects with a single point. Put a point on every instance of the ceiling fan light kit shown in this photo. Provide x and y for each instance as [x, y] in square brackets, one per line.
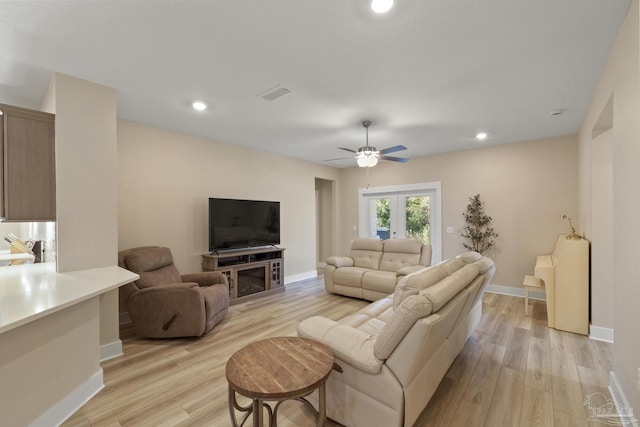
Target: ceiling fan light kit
[199, 105]
[381, 6]
[367, 158]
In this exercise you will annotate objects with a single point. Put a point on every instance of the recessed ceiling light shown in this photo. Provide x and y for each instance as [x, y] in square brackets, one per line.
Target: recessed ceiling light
[480, 136]
[381, 6]
[199, 105]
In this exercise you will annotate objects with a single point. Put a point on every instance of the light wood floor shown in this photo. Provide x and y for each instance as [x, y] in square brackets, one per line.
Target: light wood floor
[514, 371]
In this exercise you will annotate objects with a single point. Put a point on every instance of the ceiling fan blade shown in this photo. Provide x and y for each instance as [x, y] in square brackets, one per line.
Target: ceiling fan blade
[393, 149]
[394, 159]
[348, 149]
[339, 158]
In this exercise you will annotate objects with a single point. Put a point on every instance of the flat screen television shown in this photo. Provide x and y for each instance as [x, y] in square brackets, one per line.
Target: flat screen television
[238, 224]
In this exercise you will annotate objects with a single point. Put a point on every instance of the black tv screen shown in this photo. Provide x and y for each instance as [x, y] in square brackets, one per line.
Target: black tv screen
[237, 224]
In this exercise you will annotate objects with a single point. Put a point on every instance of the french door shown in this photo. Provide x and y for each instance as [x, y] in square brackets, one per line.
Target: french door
[404, 211]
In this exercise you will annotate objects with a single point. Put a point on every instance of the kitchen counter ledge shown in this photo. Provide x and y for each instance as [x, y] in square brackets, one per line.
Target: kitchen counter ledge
[32, 291]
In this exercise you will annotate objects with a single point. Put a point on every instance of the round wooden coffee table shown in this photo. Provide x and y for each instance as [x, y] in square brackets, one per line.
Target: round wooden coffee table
[277, 369]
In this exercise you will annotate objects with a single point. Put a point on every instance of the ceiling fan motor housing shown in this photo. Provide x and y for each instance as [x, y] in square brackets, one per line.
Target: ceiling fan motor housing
[368, 151]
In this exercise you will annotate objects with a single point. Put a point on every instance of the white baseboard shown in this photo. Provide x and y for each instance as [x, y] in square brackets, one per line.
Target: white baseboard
[300, 277]
[601, 334]
[111, 350]
[622, 404]
[62, 410]
[514, 292]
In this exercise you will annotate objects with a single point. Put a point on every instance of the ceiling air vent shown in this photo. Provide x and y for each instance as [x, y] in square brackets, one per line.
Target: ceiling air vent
[274, 93]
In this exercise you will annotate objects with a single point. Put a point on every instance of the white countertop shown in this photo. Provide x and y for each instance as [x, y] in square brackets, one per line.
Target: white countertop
[30, 292]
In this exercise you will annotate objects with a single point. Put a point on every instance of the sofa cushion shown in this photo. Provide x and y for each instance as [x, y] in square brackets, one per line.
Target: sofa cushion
[382, 309]
[470, 256]
[373, 326]
[367, 244]
[412, 308]
[355, 320]
[366, 252]
[403, 246]
[400, 253]
[394, 261]
[405, 271]
[349, 276]
[371, 318]
[484, 264]
[415, 282]
[366, 259]
[440, 293]
[379, 281]
[452, 265]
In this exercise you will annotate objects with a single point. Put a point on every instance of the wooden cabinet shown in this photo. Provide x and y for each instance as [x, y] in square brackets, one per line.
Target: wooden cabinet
[251, 272]
[27, 166]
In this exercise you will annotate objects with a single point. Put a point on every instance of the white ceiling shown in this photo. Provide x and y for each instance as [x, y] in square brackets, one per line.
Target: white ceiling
[429, 74]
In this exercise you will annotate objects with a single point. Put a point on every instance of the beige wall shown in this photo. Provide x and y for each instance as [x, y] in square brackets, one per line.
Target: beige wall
[86, 174]
[86, 183]
[165, 180]
[525, 186]
[620, 82]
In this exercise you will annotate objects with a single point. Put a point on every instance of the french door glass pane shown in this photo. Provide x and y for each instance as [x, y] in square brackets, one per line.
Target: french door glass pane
[403, 211]
[418, 218]
[379, 211]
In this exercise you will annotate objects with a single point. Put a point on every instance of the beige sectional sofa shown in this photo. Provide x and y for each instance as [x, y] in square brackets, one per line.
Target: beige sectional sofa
[391, 355]
[373, 267]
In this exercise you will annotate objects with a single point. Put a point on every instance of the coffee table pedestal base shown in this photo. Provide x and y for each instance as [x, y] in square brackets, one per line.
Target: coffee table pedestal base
[258, 416]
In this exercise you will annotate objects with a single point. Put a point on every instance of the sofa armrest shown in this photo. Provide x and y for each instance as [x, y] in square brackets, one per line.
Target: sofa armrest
[206, 278]
[340, 261]
[405, 271]
[348, 344]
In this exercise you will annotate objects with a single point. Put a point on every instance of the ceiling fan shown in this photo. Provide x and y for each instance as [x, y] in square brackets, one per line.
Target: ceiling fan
[368, 155]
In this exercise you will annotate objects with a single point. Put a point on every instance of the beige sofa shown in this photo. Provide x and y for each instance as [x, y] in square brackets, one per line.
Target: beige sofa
[391, 355]
[374, 267]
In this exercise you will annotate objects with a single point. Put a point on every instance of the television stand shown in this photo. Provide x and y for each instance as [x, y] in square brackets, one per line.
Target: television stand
[251, 272]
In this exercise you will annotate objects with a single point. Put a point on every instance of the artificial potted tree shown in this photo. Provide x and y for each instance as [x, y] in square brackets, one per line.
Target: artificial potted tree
[478, 233]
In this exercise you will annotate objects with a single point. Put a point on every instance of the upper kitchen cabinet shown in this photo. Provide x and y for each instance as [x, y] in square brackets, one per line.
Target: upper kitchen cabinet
[27, 169]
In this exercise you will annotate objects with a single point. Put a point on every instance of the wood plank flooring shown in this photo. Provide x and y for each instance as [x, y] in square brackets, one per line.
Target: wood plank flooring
[514, 371]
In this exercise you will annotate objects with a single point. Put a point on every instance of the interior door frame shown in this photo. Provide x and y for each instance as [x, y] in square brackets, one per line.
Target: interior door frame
[435, 209]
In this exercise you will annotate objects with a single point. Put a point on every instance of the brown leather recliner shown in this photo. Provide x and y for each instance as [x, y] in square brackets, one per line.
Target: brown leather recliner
[165, 304]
